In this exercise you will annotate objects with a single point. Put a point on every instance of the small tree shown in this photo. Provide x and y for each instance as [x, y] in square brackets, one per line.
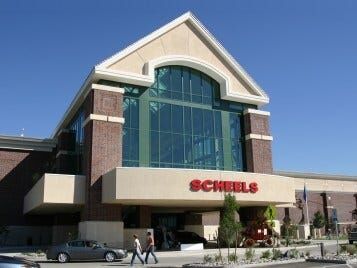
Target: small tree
[319, 221]
[270, 216]
[229, 228]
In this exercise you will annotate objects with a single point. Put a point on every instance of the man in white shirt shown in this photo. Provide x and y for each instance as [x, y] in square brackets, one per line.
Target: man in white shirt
[137, 250]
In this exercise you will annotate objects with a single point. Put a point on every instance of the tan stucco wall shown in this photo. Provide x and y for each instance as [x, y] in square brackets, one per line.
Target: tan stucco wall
[321, 185]
[182, 40]
[55, 189]
[109, 232]
[171, 187]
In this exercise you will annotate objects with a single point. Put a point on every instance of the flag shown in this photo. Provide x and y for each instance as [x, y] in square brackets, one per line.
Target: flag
[305, 193]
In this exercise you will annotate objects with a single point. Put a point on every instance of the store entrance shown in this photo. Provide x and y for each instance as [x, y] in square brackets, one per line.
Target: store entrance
[165, 225]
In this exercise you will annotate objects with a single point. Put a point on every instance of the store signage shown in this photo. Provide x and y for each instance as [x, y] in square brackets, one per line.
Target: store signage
[223, 186]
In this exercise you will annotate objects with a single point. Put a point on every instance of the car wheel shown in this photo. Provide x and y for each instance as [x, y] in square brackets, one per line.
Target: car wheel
[63, 257]
[109, 256]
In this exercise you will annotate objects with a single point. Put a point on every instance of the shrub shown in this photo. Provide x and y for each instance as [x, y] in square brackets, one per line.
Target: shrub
[249, 254]
[351, 249]
[343, 248]
[232, 258]
[218, 258]
[276, 254]
[307, 253]
[208, 259]
[293, 253]
[266, 254]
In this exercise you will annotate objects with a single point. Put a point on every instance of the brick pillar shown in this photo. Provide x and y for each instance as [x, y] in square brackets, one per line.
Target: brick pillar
[65, 156]
[103, 115]
[102, 149]
[258, 141]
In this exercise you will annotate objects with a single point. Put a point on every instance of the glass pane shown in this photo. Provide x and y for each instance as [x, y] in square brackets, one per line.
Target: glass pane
[126, 112]
[153, 92]
[178, 149]
[134, 144]
[197, 121]
[188, 149]
[236, 155]
[176, 95]
[165, 147]
[196, 99]
[196, 83]
[177, 119]
[176, 79]
[154, 116]
[154, 146]
[186, 80]
[126, 143]
[134, 113]
[208, 123]
[187, 97]
[163, 77]
[188, 121]
[165, 117]
[218, 124]
[234, 121]
[198, 151]
[207, 100]
[219, 153]
[206, 86]
[209, 146]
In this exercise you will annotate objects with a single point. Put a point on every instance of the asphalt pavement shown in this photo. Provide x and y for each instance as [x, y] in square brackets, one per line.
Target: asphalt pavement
[178, 258]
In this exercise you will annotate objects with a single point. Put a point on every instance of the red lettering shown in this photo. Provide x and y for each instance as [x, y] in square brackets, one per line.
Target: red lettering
[195, 185]
[228, 185]
[253, 186]
[237, 186]
[205, 185]
[218, 186]
[244, 187]
[224, 186]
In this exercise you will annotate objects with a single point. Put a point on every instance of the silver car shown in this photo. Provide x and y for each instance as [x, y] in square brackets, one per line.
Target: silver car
[84, 250]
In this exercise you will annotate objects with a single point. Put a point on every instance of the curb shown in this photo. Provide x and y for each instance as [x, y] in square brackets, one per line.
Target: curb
[272, 263]
[353, 261]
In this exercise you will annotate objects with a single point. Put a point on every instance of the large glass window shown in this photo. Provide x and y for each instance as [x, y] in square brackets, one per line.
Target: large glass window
[183, 83]
[131, 132]
[183, 123]
[76, 127]
[186, 137]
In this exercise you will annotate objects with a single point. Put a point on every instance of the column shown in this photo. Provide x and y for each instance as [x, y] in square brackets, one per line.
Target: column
[258, 141]
[102, 153]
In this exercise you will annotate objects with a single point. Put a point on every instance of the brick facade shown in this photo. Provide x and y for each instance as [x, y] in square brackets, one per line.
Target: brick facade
[258, 151]
[102, 152]
[19, 171]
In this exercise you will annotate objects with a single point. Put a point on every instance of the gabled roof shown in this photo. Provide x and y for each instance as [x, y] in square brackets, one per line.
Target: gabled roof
[101, 70]
[189, 17]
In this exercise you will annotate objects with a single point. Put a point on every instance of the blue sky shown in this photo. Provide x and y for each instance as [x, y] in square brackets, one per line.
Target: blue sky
[303, 53]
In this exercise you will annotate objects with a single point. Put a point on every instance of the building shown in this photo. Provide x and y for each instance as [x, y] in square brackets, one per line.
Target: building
[156, 135]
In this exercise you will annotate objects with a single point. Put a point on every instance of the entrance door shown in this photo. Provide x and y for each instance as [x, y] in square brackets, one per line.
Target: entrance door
[164, 225]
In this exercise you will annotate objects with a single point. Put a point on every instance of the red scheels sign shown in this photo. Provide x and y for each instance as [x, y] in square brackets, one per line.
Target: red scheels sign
[223, 186]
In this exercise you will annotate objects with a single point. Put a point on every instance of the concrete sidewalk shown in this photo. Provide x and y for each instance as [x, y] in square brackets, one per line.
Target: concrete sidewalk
[31, 252]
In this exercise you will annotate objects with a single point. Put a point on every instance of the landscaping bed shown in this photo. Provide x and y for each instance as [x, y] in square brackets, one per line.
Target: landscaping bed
[268, 257]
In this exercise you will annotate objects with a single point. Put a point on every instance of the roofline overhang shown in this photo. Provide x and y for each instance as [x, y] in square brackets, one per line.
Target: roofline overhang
[27, 144]
[317, 176]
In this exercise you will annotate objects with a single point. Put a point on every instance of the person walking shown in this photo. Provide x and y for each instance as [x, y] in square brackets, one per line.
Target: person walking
[137, 251]
[150, 247]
